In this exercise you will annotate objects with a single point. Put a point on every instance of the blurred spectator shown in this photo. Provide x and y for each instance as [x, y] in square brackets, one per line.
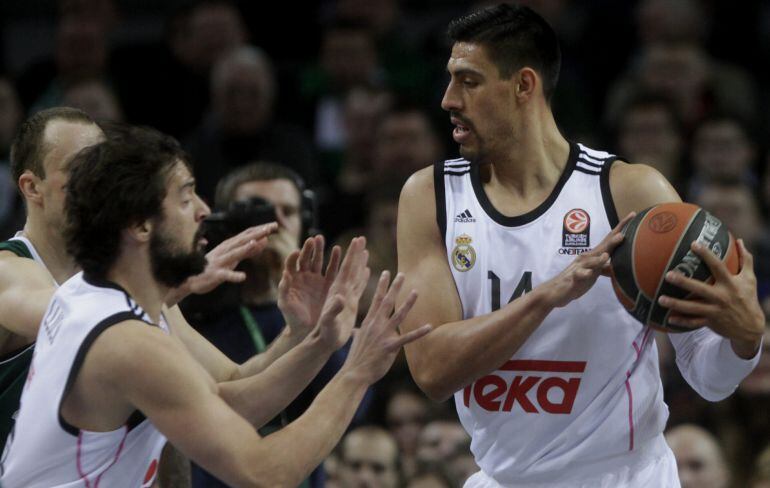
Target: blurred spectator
[432, 476]
[696, 84]
[699, 460]
[95, 98]
[240, 128]
[761, 476]
[405, 142]
[669, 20]
[347, 59]
[242, 326]
[81, 52]
[173, 92]
[442, 439]
[649, 132]
[369, 459]
[722, 150]
[11, 205]
[405, 416]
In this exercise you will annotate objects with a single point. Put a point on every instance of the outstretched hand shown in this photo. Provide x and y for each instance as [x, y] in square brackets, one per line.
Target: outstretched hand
[222, 260]
[377, 342]
[304, 285]
[340, 309]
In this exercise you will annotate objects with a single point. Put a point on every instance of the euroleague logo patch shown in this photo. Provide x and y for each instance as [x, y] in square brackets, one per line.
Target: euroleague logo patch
[576, 230]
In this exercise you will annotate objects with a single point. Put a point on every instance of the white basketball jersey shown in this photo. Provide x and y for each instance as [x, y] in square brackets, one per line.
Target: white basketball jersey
[45, 451]
[583, 393]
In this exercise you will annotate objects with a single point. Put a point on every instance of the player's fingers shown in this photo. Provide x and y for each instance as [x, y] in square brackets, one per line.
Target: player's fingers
[615, 236]
[594, 262]
[334, 264]
[403, 310]
[318, 254]
[234, 276]
[411, 336]
[355, 248]
[687, 322]
[379, 294]
[687, 307]
[746, 259]
[291, 262]
[717, 267]
[696, 287]
[390, 298]
[306, 255]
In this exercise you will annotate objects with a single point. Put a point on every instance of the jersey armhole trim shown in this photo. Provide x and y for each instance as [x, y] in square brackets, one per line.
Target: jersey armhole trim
[604, 183]
[17, 247]
[438, 184]
[81, 356]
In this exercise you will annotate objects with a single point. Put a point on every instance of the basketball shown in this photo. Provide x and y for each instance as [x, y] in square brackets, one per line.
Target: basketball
[657, 241]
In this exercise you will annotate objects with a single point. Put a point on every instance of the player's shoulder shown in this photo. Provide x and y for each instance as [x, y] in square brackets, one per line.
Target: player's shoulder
[419, 187]
[636, 186]
[22, 271]
[626, 176]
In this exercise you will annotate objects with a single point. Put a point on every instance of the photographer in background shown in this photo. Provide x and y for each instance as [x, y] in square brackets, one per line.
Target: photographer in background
[243, 320]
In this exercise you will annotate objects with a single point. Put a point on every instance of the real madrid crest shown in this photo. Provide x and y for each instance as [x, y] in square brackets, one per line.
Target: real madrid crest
[463, 255]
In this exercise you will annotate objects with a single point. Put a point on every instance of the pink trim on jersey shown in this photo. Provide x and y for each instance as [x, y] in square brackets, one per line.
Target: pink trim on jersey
[117, 455]
[630, 413]
[82, 475]
[544, 366]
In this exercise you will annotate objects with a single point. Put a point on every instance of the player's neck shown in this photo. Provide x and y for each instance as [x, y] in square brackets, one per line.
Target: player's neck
[49, 243]
[535, 159]
[133, 271]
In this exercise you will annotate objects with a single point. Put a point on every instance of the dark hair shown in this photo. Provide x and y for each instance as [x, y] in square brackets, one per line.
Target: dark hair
[28, 149]
[259, 171]
[113, 185]
[515, 37]
[646, 100]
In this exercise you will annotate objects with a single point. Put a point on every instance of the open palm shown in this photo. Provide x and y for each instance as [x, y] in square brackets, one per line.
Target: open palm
[304, 286]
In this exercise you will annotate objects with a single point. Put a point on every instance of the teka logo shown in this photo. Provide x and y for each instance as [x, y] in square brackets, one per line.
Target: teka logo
[554, 386]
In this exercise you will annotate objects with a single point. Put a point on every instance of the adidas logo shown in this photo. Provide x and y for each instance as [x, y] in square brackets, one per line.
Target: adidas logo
[465, 217]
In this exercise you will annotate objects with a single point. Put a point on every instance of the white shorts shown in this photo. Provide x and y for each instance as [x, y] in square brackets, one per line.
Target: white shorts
[661, 472]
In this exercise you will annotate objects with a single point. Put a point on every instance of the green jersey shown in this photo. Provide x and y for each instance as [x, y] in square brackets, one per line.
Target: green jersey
[14, 366]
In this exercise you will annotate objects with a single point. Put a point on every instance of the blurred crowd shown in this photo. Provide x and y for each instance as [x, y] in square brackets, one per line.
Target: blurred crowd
[324, 108]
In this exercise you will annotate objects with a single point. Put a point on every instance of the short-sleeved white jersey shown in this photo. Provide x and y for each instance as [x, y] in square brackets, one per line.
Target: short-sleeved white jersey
[583, 394]
[44, 450]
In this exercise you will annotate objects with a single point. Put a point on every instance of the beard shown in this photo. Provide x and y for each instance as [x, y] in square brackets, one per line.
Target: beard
[172, 267]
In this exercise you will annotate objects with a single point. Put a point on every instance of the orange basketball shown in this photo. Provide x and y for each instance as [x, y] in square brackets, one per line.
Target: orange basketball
[658, 240]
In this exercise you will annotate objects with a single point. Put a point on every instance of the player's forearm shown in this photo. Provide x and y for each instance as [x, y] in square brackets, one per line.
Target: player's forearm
[457, 353]
[709, 363]
[285, 341]
[262, 396]
[301, 446]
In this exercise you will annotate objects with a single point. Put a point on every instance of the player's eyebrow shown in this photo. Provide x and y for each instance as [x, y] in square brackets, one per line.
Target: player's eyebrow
[188, 184]
[464, 72]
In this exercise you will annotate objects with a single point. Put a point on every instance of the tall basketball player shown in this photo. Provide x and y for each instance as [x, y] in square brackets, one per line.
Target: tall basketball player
[552, 378]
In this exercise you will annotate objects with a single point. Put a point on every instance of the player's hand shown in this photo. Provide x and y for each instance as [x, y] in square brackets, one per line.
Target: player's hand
[222, 260]
[304, 285]
[584, 270]
[340, 309]
[612, 241]
[729, 307]
[377, 342]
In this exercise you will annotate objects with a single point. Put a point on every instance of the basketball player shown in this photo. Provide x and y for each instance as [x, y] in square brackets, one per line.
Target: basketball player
[35, 261]
[105, 359]
[555, 382]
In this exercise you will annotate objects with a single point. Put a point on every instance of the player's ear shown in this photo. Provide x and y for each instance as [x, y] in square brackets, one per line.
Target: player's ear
[526, 82]
[141, 232]
[29, 185]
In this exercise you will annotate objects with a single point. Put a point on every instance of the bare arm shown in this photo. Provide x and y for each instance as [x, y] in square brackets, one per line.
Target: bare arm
[25, 290]
[459, 351]
[181, 394]
[286, 377]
